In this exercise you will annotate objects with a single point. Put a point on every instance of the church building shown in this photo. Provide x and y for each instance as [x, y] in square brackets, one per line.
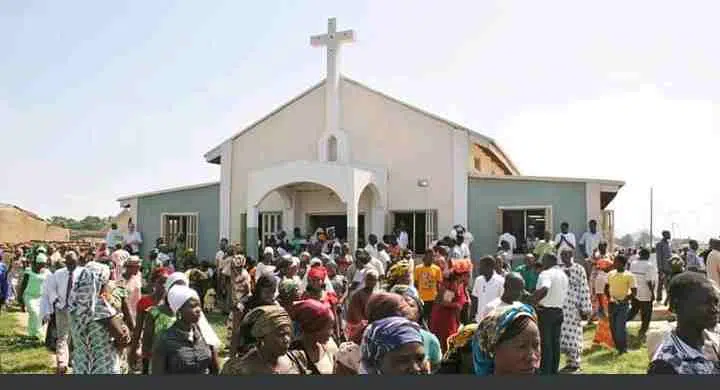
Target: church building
[363, 162]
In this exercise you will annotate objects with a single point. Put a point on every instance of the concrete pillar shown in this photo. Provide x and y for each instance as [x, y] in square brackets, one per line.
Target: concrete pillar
[377, 222]
[352, 217]
[252, 234]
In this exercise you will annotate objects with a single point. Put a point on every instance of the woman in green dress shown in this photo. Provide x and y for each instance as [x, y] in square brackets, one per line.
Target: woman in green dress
[97, 329]
[32, 292]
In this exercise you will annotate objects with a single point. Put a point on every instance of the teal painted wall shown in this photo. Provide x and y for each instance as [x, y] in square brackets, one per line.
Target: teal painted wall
[205, 201]
[486, 195]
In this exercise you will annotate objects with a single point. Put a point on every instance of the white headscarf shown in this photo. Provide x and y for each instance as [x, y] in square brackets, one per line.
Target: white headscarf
[174, 278]
[178, 295]
[207, 331]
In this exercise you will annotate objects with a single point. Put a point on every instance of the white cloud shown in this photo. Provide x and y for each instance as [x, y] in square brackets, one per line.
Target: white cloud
[639, 136]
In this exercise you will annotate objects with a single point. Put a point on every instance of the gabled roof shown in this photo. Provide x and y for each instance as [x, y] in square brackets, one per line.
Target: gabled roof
[213, 156]
[168, 190]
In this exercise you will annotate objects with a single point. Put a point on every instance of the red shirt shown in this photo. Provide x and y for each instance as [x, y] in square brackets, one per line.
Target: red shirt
[145, 303]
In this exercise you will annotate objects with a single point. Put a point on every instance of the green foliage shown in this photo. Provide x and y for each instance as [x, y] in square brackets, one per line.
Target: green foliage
[90, 222]
[18, 353]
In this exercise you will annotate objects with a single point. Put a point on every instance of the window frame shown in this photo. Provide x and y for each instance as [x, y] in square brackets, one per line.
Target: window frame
[192, 239]
[548, 218]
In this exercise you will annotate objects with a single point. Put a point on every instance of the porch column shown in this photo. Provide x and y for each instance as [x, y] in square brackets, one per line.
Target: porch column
[288, 215]
[377, 222]
[251, 239]
[352, 217]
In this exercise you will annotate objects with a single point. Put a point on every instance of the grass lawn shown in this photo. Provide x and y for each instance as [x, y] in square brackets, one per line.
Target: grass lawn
[599, 360]
[19, 353]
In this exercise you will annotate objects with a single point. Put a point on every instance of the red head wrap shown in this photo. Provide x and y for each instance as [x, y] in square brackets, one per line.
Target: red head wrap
[317, 273]
[160, 272]
[312, 315]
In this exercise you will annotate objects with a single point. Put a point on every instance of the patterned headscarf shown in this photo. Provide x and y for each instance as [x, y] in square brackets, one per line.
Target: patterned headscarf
[399, 270]
[491, 330]
[264, 320]
[462, 266]
[288, 289]
[384, 336]
[86, 304]
[459, 340]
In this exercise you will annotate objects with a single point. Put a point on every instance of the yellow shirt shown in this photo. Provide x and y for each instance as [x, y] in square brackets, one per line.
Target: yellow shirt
[428, 279]
[620, 284]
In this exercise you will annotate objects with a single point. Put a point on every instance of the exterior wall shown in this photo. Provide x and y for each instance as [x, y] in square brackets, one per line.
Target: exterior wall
[16, 226]
[488, 164]
[368, 119]
[204, 201]
[372, 120]
[486, 195]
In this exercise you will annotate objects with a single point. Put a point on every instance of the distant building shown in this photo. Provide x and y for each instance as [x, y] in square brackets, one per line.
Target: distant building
[18, 225]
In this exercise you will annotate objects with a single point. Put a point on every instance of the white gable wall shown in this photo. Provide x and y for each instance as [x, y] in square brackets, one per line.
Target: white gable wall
[380, 132]
[411, 145]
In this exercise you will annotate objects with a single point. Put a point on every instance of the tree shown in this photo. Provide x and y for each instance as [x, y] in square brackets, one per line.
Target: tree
[625, 241]
[643, 239]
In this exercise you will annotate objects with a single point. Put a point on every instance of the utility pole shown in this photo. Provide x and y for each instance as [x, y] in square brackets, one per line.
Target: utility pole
[651, 217]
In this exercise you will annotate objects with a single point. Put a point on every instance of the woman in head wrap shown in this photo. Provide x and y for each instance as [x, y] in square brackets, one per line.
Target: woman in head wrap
[158, 277]
[507, 342]
[31, 292]
[162, 317]
[182, 349]
[446, 311]
[317, 286]
[316, 322]
[433, 351]
[393, 346]
[603, 336]
[288, 293]
[459, 357]
[262, 295]
[401, 273]
[268, 329]
[97, 330]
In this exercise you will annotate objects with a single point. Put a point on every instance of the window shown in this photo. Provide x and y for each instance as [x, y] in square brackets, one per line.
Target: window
[268, 224]
[174, 226]
[525, 223]
[421, 227]
[332, 148]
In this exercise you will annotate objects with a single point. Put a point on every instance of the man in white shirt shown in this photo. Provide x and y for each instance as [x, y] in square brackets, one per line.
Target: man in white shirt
[220, 254]
[383, 256]
[113, 236]
[133, 239]
[372, 246]
[590, 240]
[511, 240]
[402, 236]
[565, 239]
[461, 249]
[550, 293]
[56, 293]
[646, 277]
[488, 286]
[513, 289]
[362, 265]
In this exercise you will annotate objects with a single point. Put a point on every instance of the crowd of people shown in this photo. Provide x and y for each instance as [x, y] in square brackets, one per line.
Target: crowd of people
[317, 307]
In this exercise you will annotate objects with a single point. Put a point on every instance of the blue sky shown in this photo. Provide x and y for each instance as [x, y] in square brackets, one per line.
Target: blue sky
[103, 99]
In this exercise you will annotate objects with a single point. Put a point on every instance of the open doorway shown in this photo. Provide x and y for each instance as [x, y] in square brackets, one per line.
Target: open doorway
[336, 221]
[420, 233]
